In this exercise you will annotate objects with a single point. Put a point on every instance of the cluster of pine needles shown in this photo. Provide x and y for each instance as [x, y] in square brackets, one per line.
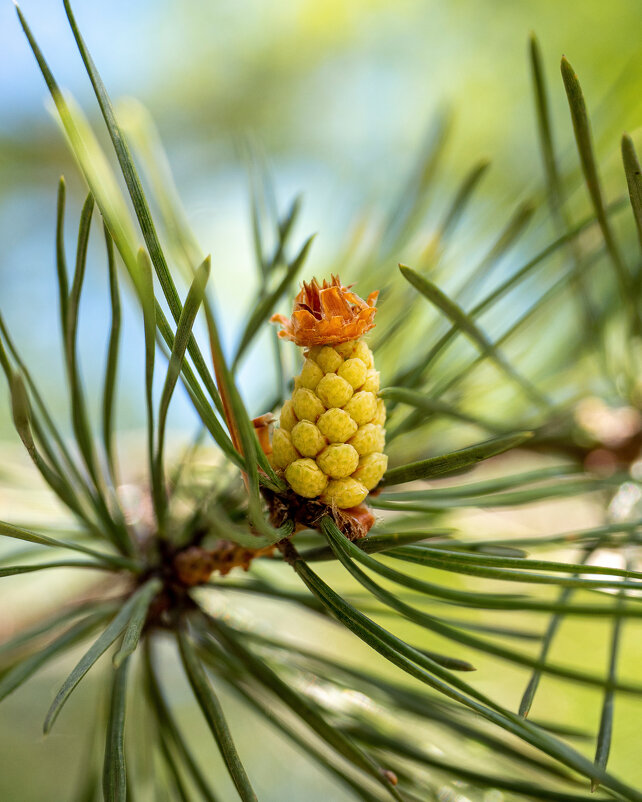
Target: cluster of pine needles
[449, 381]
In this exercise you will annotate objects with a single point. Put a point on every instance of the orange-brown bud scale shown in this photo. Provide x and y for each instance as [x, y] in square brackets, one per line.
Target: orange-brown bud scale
[327, 314]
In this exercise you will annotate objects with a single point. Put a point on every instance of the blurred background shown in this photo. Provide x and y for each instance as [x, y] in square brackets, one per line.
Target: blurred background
[339, 97]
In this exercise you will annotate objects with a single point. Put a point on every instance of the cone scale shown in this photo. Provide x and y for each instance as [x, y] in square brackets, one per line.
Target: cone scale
[330, 437]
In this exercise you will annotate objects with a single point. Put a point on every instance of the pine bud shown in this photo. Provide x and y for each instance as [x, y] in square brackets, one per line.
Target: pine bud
[306, 478]
[307, 439]
[331, 437]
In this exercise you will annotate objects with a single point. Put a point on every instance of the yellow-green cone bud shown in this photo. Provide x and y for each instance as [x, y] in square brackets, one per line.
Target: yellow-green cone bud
[334, 391]
[306, 478]
[371, 384]
[344, 493]
[354, 372]
[362, 407]
[362, 352]
[283, 452]
[338, 460]
[337, 425]
[371, 469]
[307, 405]
[311, 375]
[307, 439]
[345, 349]
[328, 359]
[368, 439]
[288, 418]
[380, 414]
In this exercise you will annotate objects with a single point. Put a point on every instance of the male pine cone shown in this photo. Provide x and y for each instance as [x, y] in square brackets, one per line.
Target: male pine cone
[330, 438]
